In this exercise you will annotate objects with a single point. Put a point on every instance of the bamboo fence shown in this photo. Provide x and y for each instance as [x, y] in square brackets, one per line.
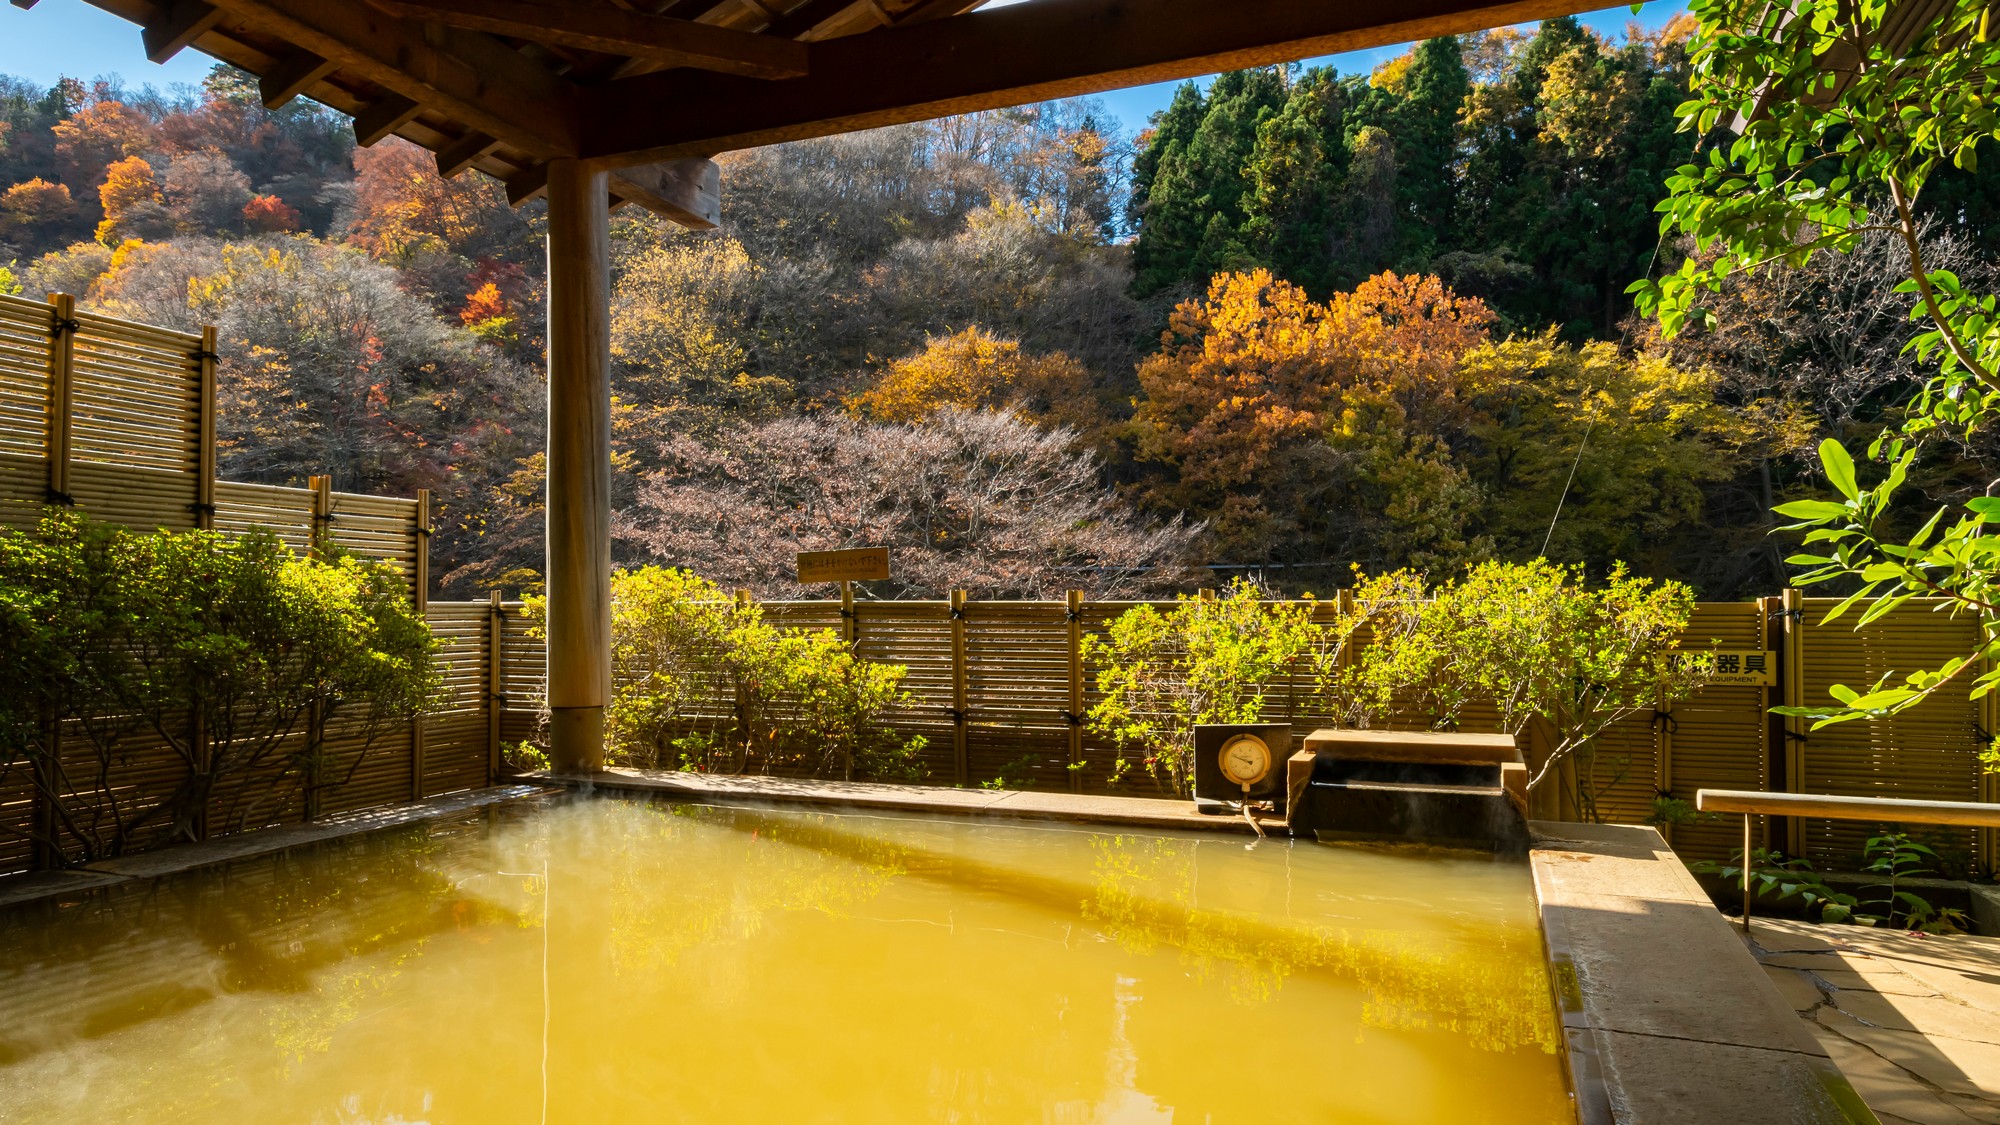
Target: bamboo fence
[118, 419]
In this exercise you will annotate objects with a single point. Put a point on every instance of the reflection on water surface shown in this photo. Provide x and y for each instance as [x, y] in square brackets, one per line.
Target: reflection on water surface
[615, 961]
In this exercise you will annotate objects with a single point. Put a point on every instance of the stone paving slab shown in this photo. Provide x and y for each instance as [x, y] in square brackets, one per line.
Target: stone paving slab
[1684, 1026]
[1913, 1019]
[19, 889]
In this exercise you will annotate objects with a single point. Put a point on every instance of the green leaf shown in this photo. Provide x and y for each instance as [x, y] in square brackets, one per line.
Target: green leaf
[1839, 468]
[1812, 510]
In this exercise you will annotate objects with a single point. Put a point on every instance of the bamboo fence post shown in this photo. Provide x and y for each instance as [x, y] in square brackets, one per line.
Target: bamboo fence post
[62, 336]
[321, 536]
[847, 613]
[1989, 783]
[204, 517]
[1793, 669]
[496, 699]
[420, 586]
[62, 361]
[204, 433]
[1074, 716]
[961, 766]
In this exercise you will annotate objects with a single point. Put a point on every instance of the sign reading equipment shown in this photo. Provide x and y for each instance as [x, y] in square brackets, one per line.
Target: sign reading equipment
[859, 564]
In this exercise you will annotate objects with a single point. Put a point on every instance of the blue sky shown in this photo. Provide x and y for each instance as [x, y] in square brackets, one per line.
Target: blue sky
[69, 37]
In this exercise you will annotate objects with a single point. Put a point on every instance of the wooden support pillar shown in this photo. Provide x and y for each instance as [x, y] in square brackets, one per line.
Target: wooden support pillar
[960, 764]
[496, 684]
[579, 466]
[847, 614]
[1074, 717]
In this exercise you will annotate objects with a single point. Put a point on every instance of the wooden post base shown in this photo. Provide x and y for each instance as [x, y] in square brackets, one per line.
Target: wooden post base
[576, 739]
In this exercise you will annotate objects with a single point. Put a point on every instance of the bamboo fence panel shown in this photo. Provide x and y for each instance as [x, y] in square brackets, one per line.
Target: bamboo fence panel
[135, 397]
[522, 679]
[1930, 752]
[456, 749]
[283, 511]
[23, 490]
[25, 331]
[1720, 737]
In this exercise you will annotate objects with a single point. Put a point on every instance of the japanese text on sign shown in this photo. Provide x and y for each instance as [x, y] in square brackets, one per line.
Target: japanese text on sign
[1743, 666]
[859, 564]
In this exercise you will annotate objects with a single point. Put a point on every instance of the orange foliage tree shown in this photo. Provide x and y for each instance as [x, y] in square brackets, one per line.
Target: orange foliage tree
[975, 369]
[1284, 419]
[36, 205]
[91, 140]
[129, 187]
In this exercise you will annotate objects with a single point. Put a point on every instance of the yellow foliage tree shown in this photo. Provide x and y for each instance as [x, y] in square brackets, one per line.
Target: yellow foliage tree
[975, 369]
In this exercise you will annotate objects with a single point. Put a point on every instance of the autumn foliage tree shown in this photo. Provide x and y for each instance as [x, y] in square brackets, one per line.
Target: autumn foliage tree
[1252, 380]
[131, 200]
[975, 369]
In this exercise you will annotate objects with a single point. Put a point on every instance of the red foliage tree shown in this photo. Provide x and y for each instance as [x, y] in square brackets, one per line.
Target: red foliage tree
[269, 213]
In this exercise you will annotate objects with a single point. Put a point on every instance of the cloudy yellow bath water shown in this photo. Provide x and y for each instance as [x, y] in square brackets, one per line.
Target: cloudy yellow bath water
[612, 961]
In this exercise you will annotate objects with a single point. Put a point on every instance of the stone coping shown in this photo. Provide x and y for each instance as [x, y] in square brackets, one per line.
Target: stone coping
[1136, 812]
[1666, 1015]
[18, 890]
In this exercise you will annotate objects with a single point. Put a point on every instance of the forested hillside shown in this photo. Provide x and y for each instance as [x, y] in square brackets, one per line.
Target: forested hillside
[1303, 320]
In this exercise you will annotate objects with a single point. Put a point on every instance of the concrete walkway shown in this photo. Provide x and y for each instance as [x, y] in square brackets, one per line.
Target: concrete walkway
[1913, 1020]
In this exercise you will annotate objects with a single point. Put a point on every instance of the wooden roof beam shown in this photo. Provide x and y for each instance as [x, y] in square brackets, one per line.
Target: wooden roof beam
[291, 76]
[178, 25]
[688, 192]
[618, 31]
[470, 77]
[1003, 57]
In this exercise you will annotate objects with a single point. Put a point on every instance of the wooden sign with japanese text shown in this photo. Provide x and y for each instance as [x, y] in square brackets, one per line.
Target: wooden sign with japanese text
[1742, 666]
[859, 564]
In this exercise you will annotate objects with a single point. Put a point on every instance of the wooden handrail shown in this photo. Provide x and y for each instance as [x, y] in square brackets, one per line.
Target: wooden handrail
[1749, 802]
[1752, 803]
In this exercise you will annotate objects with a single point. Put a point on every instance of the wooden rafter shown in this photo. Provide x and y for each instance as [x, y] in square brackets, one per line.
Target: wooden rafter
[179, 25]
[1007, 56]
[472, 77]
[291, 76]
[383, 117]
[617, 31]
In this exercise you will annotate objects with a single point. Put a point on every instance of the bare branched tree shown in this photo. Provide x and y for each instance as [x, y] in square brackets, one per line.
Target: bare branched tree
[976, 500]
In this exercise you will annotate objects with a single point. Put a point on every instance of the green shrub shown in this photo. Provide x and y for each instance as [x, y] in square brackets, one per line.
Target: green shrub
[1207, 660]
[123, 637]
[701, 681]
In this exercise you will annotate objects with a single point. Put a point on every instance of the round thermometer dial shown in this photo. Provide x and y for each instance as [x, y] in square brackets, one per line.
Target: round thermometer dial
[1245, 760]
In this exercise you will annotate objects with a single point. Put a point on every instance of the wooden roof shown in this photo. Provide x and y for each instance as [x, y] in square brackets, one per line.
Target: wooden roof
[652, 88]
